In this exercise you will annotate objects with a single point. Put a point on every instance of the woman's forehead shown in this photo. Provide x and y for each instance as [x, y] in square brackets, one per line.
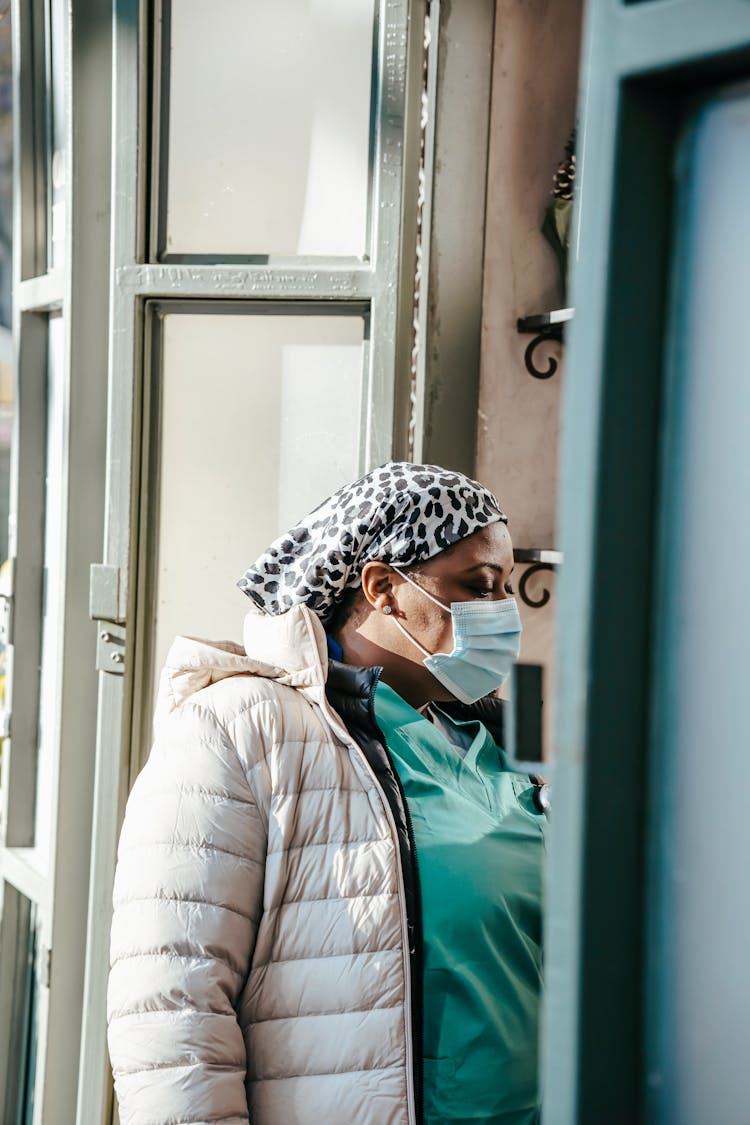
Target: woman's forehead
[490, 546]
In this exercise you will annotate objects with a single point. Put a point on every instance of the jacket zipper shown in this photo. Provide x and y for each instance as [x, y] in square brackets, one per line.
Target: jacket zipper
[415, 926]
[412, 951]
[417, 970]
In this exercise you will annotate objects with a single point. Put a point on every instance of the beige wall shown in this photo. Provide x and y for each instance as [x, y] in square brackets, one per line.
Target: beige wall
[535, 76]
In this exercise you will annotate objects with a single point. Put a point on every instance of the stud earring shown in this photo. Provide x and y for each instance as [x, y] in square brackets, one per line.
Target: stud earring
[387, 609]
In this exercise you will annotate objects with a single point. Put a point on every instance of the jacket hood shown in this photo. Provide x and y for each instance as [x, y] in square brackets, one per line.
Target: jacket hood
[290, 649]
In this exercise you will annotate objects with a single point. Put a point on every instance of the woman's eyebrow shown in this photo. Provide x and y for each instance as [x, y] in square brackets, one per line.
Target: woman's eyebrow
[489, 566]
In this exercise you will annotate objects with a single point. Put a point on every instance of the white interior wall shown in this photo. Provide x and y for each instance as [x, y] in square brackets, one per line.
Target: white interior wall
[248, 445]
[285, 173]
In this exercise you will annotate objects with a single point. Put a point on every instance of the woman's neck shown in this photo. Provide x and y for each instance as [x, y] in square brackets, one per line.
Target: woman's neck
[412, 681]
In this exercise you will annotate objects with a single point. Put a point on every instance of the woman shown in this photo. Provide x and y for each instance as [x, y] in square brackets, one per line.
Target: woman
[327, 901]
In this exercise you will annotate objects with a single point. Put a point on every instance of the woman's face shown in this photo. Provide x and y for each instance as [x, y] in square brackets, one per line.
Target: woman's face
[477, 568]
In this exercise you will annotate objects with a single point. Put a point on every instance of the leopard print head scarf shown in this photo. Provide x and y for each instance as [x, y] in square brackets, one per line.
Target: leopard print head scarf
[400, 513]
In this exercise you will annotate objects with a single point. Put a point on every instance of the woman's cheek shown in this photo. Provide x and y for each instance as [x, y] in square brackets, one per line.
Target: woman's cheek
[442, 638]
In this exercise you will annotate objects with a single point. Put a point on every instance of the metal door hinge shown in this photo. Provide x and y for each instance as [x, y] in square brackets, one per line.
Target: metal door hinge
[6, 619]
[104, 608]
[45, 966]
[110, 647]
[104, 593]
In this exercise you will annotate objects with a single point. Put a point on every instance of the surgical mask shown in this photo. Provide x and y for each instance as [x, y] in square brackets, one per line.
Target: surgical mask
[486, 644]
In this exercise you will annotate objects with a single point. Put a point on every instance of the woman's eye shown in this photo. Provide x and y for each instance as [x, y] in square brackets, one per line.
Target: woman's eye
[508, 588]
[482, 591]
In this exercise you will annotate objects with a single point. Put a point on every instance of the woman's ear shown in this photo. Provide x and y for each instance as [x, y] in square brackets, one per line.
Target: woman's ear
[376, 584]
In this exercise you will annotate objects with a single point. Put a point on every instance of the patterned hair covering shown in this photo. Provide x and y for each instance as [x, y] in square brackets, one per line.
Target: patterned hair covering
[399, 513]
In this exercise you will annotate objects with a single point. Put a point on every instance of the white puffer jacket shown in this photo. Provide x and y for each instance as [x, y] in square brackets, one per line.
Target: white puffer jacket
[259, 964]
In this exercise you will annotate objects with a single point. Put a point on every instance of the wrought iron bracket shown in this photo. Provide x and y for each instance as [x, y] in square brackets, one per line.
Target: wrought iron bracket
[539, 561]
[544, 327]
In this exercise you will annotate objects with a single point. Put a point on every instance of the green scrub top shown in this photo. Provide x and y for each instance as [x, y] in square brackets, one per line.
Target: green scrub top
[479, 841]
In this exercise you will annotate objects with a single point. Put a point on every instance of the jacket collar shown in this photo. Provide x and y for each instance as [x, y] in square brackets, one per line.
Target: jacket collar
[490, 711]
[350, 689]
[290, 648]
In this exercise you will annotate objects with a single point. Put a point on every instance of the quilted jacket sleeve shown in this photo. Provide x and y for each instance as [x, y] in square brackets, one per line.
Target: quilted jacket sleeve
[187, 901]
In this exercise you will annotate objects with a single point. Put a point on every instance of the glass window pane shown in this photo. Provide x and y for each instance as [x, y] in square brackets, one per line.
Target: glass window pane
[259, 421]
[49, 678]
[29, 1026]
[6, 338]
[56, 110]
[6, 430]
[269, 127]
[21, 951]
[6, 179]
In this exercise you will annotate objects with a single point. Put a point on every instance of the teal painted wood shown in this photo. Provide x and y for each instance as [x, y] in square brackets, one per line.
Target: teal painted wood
[640, 66]
[697, 986]
[581, 410]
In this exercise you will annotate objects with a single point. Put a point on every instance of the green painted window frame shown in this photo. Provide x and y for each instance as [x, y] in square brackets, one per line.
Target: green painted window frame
[48, 63]
[371, 287]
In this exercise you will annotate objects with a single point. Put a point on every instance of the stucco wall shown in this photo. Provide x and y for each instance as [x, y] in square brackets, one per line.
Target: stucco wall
[534, 94]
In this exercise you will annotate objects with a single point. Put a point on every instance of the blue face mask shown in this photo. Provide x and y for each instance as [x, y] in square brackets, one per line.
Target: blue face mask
[486, 644]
